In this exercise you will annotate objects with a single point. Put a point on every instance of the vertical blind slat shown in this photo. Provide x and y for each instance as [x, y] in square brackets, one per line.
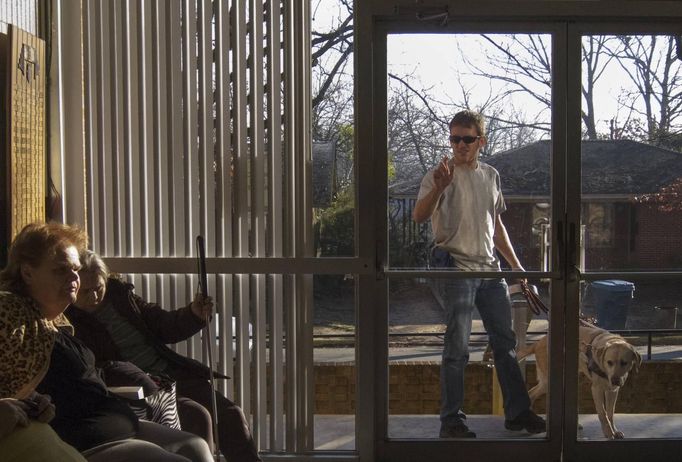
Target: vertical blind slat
[223, 128]
[147, 80]
[161, 129]
[89, 113]
[132, 153]
[258, 189]
[240, 118]
[294, 441]
[176, 153]
[223, 156]
[190, 167]
[275, 225]
[117, 129]
[205, 108]
[103, 211]
[191, 128]
[206, 169]
[304, 150]
[190, 122]
[161, 147]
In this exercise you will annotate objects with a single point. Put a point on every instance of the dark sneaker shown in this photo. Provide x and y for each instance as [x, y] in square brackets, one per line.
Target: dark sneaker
[527, 420]
[458, 430]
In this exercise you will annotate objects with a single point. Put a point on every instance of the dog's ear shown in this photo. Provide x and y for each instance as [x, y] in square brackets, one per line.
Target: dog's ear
[638, 360]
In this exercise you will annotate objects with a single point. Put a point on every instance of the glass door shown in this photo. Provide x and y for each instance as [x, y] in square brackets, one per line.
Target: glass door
[626, 206]
[591, 206]
[454, 314]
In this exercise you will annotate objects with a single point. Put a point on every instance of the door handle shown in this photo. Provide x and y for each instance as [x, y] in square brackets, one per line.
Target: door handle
[572, 252]
[561, 248]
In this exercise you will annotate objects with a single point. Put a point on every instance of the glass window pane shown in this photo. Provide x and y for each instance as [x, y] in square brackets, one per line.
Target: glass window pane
[417, 337]
[505, 77]
[646, 314]
[332, 127]
[631, 216]
[631, 160]
[334, 359]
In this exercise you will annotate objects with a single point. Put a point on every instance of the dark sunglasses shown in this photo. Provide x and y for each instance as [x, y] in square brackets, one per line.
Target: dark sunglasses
[467, 139]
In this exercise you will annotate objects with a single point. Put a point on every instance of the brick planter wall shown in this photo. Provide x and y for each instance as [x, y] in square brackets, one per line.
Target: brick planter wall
[414, 388]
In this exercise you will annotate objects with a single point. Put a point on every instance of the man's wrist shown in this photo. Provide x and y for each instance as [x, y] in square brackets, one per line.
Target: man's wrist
[438, 191]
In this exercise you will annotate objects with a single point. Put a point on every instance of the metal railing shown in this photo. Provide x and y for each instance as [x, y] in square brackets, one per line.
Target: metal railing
[649, 333]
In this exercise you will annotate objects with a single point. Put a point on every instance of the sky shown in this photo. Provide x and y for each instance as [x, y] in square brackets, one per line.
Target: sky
[436, 61]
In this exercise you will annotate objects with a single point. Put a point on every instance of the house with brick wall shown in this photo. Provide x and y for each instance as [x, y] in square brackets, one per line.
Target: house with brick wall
[619, 232]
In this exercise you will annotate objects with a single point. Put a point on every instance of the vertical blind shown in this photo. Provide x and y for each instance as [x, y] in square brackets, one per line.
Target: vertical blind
[20, 13]
[196, 121]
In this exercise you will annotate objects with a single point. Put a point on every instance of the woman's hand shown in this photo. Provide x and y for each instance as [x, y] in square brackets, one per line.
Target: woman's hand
[12, 415]
[39, 407]
[202, 307]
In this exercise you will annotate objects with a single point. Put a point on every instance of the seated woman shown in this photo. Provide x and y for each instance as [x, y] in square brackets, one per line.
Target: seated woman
[28, 325]
[42, 275]
[120, 326]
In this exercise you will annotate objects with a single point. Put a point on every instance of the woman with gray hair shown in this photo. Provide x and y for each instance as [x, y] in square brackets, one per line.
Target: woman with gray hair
[118, 325]
[193, 417]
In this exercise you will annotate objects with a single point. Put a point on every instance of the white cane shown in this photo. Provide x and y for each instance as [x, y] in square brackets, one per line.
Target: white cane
[206, 339]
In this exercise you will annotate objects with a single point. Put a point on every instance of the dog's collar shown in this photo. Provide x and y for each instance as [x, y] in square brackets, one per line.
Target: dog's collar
[592, 365]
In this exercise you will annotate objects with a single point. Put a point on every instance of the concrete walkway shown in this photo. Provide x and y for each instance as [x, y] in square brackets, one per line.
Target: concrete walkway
[337, 432]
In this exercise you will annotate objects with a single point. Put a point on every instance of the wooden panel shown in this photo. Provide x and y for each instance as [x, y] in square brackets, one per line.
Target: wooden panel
[4, 149]
[26, 121]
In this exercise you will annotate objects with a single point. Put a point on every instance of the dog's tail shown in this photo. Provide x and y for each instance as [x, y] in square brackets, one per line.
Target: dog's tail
[528, 350]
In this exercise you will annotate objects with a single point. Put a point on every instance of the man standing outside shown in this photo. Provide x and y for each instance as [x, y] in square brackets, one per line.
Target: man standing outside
[463, 198]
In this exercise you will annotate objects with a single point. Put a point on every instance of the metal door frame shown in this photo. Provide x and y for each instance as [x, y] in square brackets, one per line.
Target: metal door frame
[566, 20]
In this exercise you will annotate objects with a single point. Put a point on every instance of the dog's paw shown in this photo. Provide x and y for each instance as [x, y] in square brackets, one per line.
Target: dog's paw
[618, 435]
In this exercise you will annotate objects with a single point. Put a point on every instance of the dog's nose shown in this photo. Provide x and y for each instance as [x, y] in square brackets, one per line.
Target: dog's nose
[616, 381]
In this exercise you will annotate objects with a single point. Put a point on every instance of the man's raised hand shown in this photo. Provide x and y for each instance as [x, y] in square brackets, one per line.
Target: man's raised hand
[442, 176]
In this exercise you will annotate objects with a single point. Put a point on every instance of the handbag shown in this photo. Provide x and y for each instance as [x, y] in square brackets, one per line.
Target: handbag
[161, 406]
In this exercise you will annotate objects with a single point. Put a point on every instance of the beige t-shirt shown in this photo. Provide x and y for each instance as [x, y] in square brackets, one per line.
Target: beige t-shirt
[464, 220]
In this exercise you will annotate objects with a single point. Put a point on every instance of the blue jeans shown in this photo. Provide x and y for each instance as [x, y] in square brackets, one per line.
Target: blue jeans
[492, 300]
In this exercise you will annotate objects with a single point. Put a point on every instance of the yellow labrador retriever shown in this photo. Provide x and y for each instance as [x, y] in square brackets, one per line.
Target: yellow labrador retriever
[605, 359]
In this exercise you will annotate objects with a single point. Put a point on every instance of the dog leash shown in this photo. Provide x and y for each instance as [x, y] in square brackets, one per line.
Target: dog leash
[530, 293]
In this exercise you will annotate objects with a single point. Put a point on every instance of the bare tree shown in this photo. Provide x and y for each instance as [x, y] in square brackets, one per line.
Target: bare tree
[595, 59]
[334, 110]
[331, 50]
[654, 69]
[523, 63]
[507, 127]
[417, 134]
